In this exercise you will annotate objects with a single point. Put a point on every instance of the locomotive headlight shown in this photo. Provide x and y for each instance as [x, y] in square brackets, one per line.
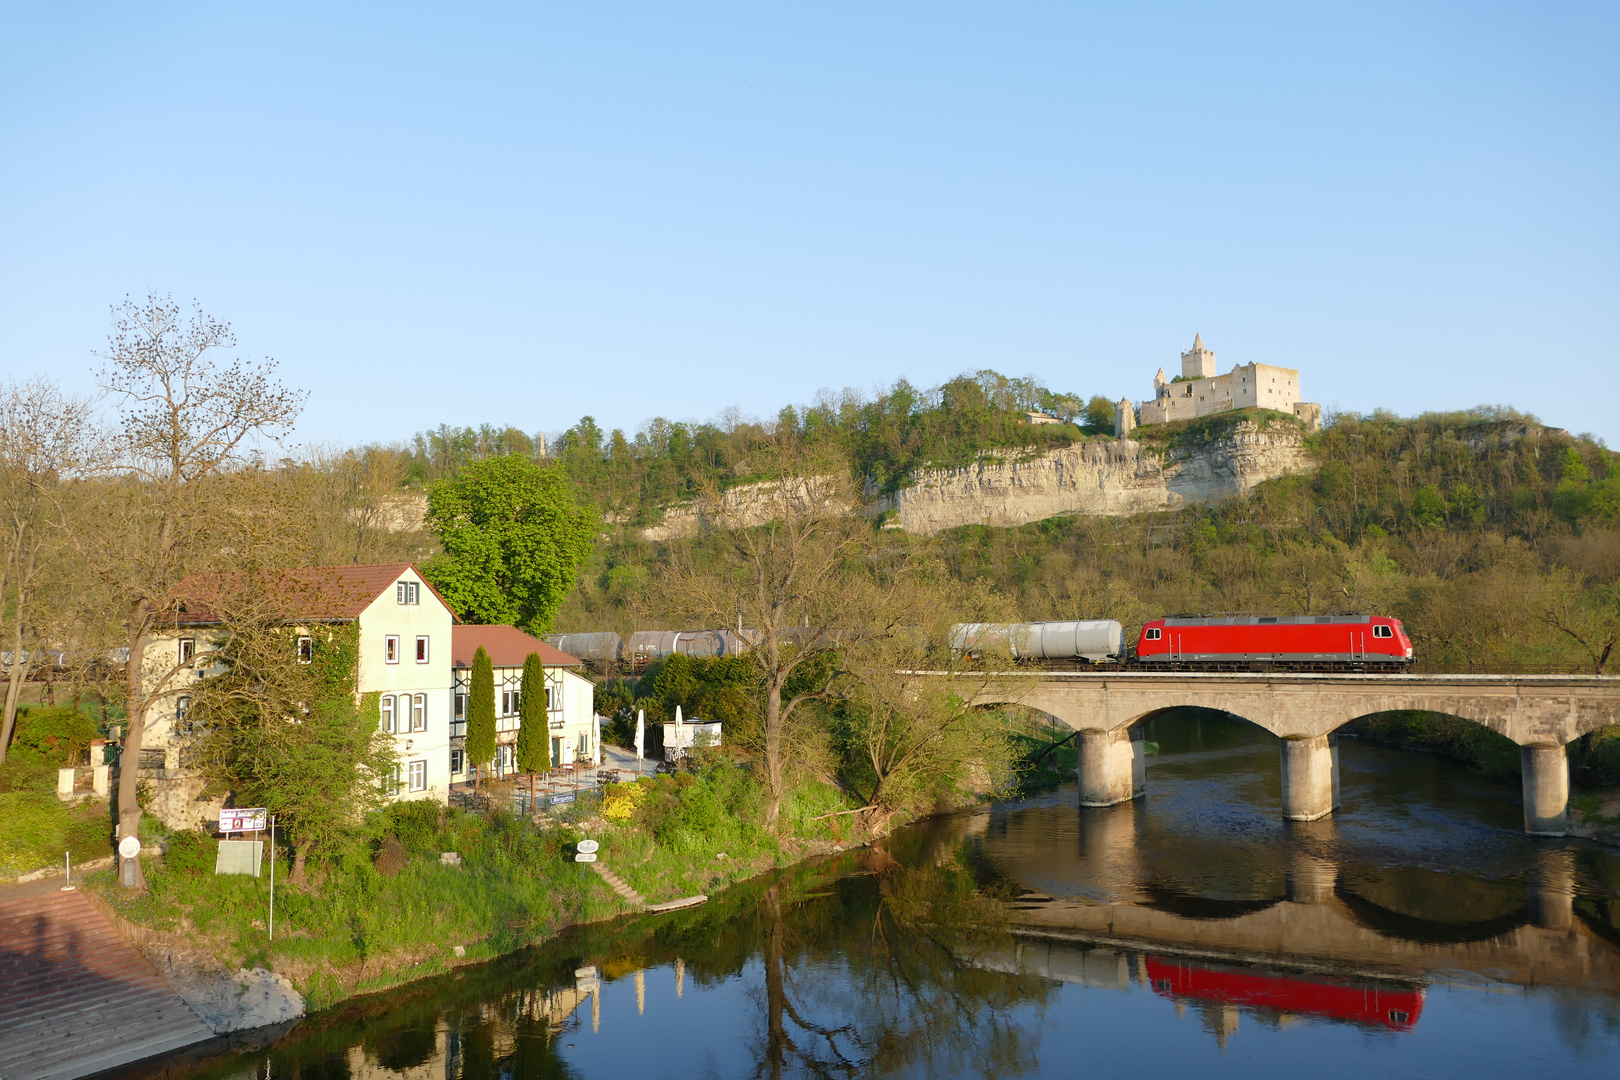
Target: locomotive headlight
[1409, 652]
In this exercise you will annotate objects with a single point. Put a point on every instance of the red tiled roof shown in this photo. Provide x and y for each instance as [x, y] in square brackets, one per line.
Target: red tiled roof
[314, 592]
[507, 647]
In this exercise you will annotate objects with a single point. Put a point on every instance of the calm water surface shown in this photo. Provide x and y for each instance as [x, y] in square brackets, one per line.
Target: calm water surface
[1418, 933]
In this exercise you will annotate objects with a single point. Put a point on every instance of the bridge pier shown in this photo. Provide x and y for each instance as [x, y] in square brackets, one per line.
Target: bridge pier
[1113, 767]
[1310, 777]
[1546, 789]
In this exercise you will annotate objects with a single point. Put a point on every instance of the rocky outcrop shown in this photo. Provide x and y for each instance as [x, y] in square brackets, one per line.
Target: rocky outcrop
[1103, 477]
[748, 505]
[1111, 477]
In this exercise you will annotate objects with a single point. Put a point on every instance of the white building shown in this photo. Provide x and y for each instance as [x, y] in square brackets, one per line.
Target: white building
[570, 698]
[404, 629]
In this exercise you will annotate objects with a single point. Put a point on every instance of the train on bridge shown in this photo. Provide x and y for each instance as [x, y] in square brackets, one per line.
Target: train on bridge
[1202, 643]
[1323, 643]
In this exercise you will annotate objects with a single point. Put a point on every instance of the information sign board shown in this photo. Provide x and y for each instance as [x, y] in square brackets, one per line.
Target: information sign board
[243, 819]
[588, 846]
[585, 856]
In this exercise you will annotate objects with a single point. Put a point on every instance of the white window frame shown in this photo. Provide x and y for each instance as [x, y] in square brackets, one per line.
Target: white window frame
[386, 708]
[182, 706]
[306, 649]
[1153, 633]
[460, 707]
[1382, 631]
[458, 761]
[397, 780]
[408, 592]
[421, 648]
[188, 650]
[391, 649]
[417, 776]
[510, 705]
[419, 712]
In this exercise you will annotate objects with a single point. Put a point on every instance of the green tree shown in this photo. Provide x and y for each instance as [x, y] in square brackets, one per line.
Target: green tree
[534, 734]
[1099, 414]
[292, 737]
[514, 540]
[481, 713]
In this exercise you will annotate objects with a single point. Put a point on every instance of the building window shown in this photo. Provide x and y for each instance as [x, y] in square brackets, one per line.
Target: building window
[422, 649]
[391, 648]
[408, 592]
[395, 781]
[419, 713]
[306, 648]
[1153, 634]
[552, 702]
[182, 706]
[418, 776]
[509, 702]
[388, 712]
[188, 649]
[461, 706]
[458, 762]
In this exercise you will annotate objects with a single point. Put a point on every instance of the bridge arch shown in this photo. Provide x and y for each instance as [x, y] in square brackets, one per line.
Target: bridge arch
[1542, 714]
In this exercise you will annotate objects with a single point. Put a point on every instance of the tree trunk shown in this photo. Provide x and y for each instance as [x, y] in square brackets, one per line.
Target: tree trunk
[129, 769]
[19, 672]
[773, 749]
[300, 861]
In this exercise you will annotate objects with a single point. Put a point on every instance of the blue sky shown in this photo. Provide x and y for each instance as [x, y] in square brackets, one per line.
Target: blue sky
[525, 213]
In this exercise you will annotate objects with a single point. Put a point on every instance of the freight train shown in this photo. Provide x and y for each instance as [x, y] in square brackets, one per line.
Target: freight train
[1202, 643]
[1173, 643]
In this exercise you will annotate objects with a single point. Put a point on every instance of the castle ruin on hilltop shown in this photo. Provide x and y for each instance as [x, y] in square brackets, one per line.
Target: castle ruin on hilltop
[1198, 391]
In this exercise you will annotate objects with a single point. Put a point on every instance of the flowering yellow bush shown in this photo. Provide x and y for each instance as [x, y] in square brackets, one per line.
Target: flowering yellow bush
[621, 801]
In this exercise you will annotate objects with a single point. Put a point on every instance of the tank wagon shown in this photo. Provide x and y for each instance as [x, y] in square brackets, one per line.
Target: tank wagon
[1289, 642]
[1092, 641]
[602, 650]
[646, 646]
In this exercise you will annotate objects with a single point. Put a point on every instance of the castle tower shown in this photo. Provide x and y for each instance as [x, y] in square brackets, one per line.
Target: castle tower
[1198, 362]
[1124, 418]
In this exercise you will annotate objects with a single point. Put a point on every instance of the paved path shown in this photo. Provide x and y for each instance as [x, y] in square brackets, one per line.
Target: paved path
[75, 996]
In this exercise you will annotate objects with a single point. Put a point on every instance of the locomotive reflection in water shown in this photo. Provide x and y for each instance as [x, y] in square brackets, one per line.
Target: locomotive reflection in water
[1370, 643]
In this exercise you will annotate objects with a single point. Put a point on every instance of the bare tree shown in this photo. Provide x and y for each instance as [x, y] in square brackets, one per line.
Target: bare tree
[789, 561]
[188, 425]
[46, 442]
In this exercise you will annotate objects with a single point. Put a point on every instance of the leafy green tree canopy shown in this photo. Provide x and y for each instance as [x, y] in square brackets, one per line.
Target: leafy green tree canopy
[514, 540]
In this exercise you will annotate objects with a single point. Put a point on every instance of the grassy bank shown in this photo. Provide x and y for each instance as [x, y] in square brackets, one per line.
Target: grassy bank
[388, 911]
[36, 827]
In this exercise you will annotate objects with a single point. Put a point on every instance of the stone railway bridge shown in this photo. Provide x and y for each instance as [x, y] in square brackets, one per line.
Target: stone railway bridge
[1542, 713]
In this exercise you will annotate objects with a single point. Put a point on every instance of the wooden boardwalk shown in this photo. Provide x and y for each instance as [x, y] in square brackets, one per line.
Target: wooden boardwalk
[76, 997]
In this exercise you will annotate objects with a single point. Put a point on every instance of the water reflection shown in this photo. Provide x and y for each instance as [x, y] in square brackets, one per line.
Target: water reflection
[1193, 928]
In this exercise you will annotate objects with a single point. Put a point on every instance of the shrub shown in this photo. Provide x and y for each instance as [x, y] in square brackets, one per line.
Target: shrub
[621, 801]
[190, 851]
[52, 735]
[416, 825]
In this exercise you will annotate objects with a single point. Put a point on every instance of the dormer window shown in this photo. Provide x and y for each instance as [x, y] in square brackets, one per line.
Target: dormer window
[408, 592]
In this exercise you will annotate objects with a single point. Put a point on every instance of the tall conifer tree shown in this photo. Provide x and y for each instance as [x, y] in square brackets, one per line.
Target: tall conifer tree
[534, 735]
[481, 713]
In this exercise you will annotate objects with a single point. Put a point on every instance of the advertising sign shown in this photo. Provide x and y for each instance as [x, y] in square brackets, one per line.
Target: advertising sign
[239, 819]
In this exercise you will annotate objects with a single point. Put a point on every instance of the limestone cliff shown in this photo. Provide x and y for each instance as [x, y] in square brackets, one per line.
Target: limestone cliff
[1112, 477]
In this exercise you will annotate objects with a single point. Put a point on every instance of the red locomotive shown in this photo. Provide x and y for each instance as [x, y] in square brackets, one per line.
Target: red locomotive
[1288, 642]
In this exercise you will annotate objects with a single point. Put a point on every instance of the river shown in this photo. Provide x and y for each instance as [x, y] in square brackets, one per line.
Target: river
[1416, 933]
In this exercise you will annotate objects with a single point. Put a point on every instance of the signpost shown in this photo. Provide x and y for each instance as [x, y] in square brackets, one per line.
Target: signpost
[585, 856]
[587, 853]
[129, 849]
